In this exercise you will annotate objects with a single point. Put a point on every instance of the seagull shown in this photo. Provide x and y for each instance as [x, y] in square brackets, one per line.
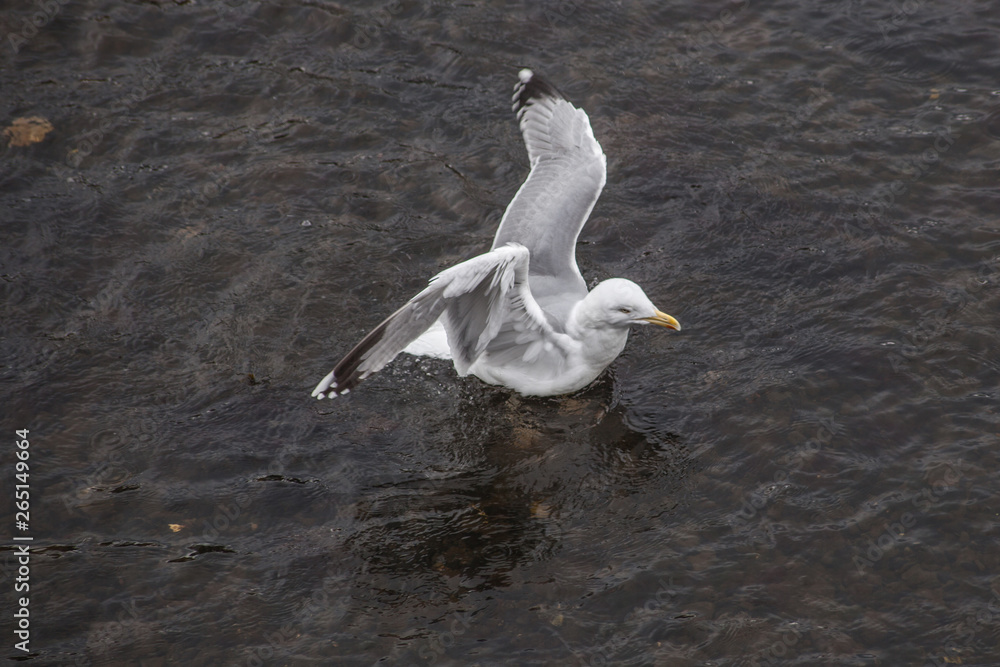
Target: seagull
[520, 315]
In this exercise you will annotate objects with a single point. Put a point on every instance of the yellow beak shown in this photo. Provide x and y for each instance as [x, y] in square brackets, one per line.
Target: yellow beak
[664, 320]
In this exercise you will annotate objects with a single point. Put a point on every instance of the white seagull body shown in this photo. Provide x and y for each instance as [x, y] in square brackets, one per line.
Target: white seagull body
[520, 315]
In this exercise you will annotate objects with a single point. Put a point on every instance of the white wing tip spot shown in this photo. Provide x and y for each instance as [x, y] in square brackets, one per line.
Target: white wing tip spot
[328, 388]
[330, 393]
[525, 75]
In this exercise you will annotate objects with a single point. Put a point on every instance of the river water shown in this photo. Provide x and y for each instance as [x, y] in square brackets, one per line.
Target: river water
[219, 198]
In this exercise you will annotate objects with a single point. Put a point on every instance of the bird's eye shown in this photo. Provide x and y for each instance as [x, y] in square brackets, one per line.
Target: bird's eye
[625, 310]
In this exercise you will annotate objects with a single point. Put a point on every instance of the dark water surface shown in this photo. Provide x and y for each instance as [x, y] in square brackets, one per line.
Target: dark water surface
[233, 193]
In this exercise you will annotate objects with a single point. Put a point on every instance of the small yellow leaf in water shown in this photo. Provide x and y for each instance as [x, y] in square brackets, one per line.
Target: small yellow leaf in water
[540, 510]
[176, 527]
[27, 131]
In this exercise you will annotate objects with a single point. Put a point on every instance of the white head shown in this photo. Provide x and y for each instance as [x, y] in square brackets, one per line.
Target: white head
[618, 303]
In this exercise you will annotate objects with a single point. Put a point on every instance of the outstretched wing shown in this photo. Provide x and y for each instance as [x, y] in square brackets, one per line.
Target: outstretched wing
[475, 301]
[568, 172]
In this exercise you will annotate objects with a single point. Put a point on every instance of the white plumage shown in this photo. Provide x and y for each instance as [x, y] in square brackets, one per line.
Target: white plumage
[520, 315]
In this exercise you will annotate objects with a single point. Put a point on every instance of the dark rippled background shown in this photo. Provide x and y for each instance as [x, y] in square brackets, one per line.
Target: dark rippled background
[235, 192]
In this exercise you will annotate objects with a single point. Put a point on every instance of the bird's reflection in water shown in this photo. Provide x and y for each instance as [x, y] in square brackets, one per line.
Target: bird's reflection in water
[523, 470]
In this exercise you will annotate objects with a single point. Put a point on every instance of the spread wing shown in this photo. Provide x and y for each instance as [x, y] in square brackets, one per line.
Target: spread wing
[477, 301]
[568, 172]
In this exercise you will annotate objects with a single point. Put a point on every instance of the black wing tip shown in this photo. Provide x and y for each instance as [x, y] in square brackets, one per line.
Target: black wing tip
[531, 87]
[345, 375]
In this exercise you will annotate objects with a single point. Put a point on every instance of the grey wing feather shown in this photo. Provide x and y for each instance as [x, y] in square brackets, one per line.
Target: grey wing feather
[473, 300]
[477, 301]
[568, 172]
[382, 344]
